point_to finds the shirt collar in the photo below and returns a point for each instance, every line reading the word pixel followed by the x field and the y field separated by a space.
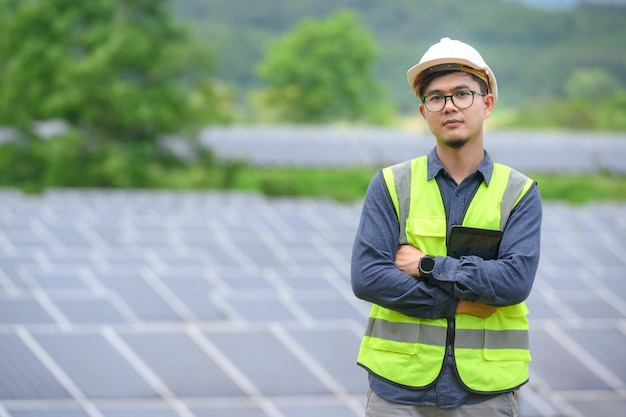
pixel 435 167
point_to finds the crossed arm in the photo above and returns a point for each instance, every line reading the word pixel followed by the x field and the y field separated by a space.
pixel 387 275
pixel 407 259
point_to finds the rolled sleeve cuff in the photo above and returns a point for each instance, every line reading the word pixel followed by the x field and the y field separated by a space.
pixel 445 270
pixel 443 276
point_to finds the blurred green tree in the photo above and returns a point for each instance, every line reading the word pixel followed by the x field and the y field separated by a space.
pixel 591 83
pixel 595 100
pixel 115 70
pixel 320 72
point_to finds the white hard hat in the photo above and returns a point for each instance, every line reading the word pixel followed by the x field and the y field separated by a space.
pixel 453 54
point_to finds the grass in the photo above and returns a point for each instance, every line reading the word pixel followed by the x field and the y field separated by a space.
pixel 350 184
pixel 582 188
pixel 344 185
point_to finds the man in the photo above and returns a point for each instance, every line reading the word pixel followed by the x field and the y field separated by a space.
pixel 446 251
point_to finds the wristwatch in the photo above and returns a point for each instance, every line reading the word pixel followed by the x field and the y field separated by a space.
pixel 426 266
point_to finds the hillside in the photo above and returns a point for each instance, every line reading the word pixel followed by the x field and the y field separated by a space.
pixel 531 50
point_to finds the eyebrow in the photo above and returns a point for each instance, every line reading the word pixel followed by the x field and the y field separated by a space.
pixel 457 88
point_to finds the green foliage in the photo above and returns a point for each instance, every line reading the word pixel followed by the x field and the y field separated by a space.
pixel 582 188
pixel 69 161
pixel 596 100
pixel 531 50
pixel 117 70
pixel 350 184
pixel 322 71
pixel 589 113
pixel 120 74
pixel 591 83
pixel 341 184
pixel 59 162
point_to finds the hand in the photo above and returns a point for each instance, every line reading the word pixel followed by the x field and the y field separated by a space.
pixel 407 258
pixel 476 309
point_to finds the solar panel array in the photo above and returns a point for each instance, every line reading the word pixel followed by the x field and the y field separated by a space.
pixel 205 304
pixel 554 151
pixel 163 304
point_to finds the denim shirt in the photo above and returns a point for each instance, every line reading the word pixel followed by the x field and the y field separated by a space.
pixel 502 282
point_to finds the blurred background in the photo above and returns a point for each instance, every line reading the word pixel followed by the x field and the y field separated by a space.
pixel 126 88
pixel 181 183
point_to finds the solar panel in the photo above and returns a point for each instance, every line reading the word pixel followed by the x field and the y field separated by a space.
pixel 161 303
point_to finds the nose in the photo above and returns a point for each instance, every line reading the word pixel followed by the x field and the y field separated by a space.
pixel 448 103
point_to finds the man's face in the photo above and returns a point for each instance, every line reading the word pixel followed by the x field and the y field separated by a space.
pixel 454 127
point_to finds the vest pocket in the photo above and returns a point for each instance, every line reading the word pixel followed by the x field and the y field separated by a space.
pixel 427 232
pixel 393 346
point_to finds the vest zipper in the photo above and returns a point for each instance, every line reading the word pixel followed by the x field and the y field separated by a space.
pixel 450 336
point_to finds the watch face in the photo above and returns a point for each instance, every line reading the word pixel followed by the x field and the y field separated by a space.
pixel 427 264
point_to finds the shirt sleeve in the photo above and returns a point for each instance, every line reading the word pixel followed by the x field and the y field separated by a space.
pixel 376 278
pixel 508 279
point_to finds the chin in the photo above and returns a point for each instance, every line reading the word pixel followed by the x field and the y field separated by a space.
pixel 456 143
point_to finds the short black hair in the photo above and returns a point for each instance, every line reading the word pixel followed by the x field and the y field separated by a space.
pixel 420 83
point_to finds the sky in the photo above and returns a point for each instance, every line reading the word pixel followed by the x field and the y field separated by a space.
pixel 556 4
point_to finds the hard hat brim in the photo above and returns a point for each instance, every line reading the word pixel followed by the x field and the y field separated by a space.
pixel 487 75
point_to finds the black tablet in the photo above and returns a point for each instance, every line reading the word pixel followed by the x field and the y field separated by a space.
pixel 465 241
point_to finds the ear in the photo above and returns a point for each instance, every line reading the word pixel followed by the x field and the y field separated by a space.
pixel 489 102
pixel 422 110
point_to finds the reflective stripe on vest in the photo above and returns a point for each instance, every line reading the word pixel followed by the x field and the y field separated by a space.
pixel 435 335
pixel 491 354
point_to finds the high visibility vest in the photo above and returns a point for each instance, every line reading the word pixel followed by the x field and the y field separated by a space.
pixel 491 354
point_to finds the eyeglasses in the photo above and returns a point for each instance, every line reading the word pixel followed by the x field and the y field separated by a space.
pixel 462 99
